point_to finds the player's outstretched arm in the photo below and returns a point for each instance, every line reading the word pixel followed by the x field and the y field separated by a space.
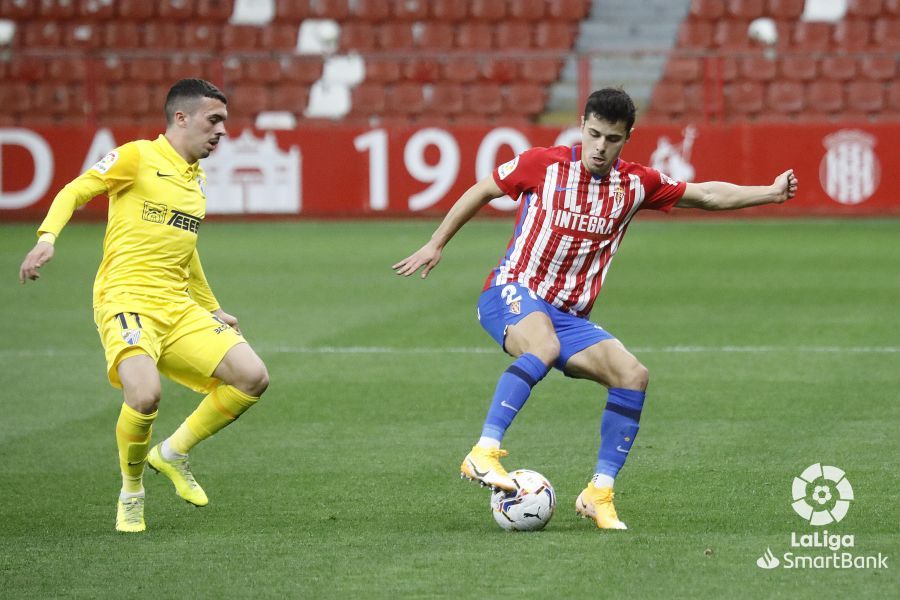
pixel 719 195
pixel 469 203
pixel 40 255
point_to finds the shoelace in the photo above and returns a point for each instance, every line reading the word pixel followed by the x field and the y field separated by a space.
pixel 185 469
pixel 133 510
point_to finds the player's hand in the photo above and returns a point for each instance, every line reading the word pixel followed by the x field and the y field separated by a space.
pixel 428 256
pixel 228 319
pixel 34 260
pixel 785 186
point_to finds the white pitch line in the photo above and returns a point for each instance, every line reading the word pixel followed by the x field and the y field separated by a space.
pixel 52 353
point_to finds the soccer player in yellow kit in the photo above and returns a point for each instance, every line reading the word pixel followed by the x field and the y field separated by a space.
pixel 153 307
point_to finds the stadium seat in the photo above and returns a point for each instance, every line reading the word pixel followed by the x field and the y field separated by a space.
pixel 338 10
pixel 500 70
pixel 570 11
pixel 409 10
pixel 373 11
pixel 746 9
pixel 129 99
pixel 744 98
pixel 171 10
pixel 683 69
pixel 56 9
pixel 121 35
pixel 524 99
pixel 892 105
pixel 886 33
pixel 302 70
pixel 382 70
pixel 262 70
pixel 237 38
pixel 50 98
pixel 838 67
pixel 216 11
pixel 708 10
pixel 513 35
pixel 368 99
pixel 444 100
pixel 247 99
pixel 865 96
pixel 799 67
pixel 851 35
pixel 358 36
pixel 291 97
pixel 812 36
pixel 526 10
pixel 95 10
pixel 15 97
pixel 431 35
pixel 136 10
pixel 757 67
pixel 186 66
pixel 483 99
pixel 448 10
pixel 879 67
pixel 785 9
pixel 423 70
pixel 159 35
pixel 291 11
pixel 146 70
pixel 731 35
pixel 668 100
pixel 540 70
pixel 695 34
pixel 474 36
pixel 232 70
pixel 489 11
pixel 785 97
pixel 279 37
pixel 461 69
pixel 550 35
pixel 824 97
pixel 17 10
pixel 74 70
pixel 866 9
pixel 81 35
pixel 405 98
pixel 39 34
pixel 200 37
pixel 396 35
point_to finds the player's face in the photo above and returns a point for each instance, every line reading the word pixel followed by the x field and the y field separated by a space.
pixel 204 126
pixel 601 143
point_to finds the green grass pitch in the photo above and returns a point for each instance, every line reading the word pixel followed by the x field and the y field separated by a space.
pixel 771 345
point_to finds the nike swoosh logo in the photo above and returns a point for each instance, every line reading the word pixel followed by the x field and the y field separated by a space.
pixel 476 471
pixel 509 406
pixel 158 174
pixel 134 464
pixel 565 189
pixel 619 448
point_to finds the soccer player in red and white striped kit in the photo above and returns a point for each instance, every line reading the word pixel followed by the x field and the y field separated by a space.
pixel 575 206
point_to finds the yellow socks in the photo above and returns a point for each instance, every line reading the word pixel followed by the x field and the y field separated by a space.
pixel 133 431
pixel 225 404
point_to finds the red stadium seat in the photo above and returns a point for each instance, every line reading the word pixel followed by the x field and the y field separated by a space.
pixel 709 10
pixel 405 99
pixel 513 35
pixel 866 9
pixel 39 34
pixel 444 100
pixel 744 98
pixel 279 37
pixel 161 35
pixel 247 99
pixel 217 11
pixel 571 11
pixel 374 11
pixel 893 99
pixel 879 67
pixel 171 10
pixel 799 67
pixel 865 96
pixel 524 99
pixel 382 70
pixel 200 37
pixel 358 36
pixel 695 34
pixel 526 10
pixel 262 70
pixel 838 67
pixel 409 10
pixel 474 36
pixel 338 10
pixel 423 70
pixel 81 35
pixel 731 35
pixel 746 9
pixel 824 97
pixel 540 70
pixel 239 37
pixel 15 97
pixel 490 11
pixel 461 70
pixel 147 70
pixel 129 99
pixel 886 34
pixel 232 70
pixel 554 36
pixel 108 69
pixel 397 35
pixel 432 35
pixel 52 98
pixel 785 9
pixel 812 36
pixel 683 69
pixel 291 11
pixel 757 68
pixel 668 100
pixel 500 70
pixel 74 70
pixel 56 9
pixel 851 35
pixel 291 97
pixel 121 35
pixel 304 70
pixel 188 67
pixel 138 10
pixel 448 10
pixel 368 99
pixel 17 10
pixel 785 97
pixel 92 9
pixel 483 99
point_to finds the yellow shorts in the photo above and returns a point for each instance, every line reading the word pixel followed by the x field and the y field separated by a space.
pixel 187 342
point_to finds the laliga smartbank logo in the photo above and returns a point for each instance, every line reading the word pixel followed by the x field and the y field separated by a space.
pixel 822 496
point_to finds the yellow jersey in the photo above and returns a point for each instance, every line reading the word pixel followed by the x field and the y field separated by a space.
pixel 156 204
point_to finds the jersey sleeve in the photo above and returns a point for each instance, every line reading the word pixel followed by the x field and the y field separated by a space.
pixel 112 174
pixel 198 287
pixel 522 173
pixel 661 191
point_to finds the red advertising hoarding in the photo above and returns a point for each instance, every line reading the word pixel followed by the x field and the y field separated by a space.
pixel 326 172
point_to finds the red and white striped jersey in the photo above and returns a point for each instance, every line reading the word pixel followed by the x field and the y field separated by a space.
pixel 570 223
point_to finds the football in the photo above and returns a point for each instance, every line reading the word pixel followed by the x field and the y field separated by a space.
pixel 530 507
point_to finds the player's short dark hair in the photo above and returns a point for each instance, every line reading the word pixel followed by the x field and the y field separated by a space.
pixel 611 104
pixel 190 89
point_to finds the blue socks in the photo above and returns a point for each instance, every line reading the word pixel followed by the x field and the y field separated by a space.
pixel 618 429
pixel 512 391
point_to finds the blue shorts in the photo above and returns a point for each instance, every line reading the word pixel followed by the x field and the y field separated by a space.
pixel 505 305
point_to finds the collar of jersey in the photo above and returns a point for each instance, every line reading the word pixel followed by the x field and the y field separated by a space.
pixel 181 165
